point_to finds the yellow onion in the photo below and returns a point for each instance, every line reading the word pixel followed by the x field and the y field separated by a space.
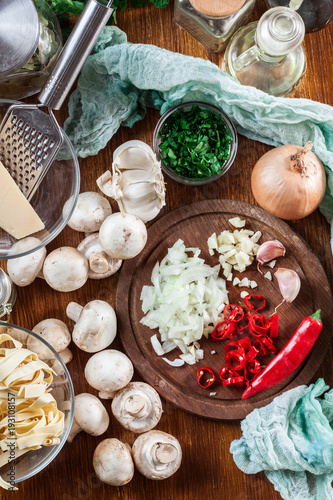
pixel 289 181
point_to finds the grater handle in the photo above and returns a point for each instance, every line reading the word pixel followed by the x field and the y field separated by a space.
pixel 76 50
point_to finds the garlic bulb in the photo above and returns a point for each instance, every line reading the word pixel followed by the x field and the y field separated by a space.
pixel 136 182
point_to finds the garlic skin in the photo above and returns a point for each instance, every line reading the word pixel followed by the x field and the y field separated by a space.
pixel 289 283
pixel 270 250
pixel 136 182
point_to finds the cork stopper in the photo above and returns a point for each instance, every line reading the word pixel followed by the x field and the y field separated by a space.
pixel 217 8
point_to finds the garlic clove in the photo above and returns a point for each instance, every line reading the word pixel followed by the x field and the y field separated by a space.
pixel 270 250
pixel 134 158
pixel 289 283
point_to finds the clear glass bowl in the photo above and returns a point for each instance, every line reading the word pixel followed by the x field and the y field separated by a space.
pixel 34 461
pixel 60 184
pixel 185 180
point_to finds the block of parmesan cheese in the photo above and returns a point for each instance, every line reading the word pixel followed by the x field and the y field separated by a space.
pixel 17 216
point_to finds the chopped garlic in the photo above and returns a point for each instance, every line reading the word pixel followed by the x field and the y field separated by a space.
pixel 244 294
pixel 213 352
pixel 244 282
pixel 256 237
pixel 212 393
pixel 212 243
pixel 236 281
pixel 268 275
pixel 253 284
pixel 237 222
pixel 271 263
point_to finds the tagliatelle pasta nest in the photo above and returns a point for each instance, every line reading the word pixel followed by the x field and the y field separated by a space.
pixel 29 417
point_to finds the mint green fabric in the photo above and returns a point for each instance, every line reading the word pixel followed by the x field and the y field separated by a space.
pixel 120 80
pixel 291 440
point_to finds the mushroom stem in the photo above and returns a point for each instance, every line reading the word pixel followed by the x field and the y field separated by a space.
pixel 66 355
pixel 73 311
pixel 75 429
pixel 165 453
pixel 134 404
pixel 99 263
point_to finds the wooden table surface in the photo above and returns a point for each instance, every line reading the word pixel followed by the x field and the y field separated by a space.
pixel 208 470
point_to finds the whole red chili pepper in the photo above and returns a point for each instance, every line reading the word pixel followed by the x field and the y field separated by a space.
pixel 289 357
pixel 200 374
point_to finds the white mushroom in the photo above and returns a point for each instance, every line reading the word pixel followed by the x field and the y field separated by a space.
pixel 96 325
pixel 24 270
pixel 90 416
pixel 55 332
pixel 156 454
pixel 101 265
pixel 137 407
pixel 108 371
pixel 91 210
pixel 65 269
pixel 122 236
pixel 112 462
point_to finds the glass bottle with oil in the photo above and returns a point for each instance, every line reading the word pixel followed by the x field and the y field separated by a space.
pixel 268 54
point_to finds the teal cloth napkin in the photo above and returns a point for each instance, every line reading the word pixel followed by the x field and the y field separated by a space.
pixel 291 440
pixel 120 80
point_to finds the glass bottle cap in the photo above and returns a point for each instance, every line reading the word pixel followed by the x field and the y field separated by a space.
pixel 217 8
pixel 280 30
pixel 19 32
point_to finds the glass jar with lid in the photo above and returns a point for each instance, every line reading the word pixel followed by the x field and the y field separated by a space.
pixel 31 38
pixel 212 22
pixel 269 54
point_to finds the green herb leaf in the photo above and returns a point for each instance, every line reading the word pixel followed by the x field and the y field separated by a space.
pixel 195 143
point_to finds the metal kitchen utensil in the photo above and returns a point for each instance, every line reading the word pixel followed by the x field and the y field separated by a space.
pixel 31 138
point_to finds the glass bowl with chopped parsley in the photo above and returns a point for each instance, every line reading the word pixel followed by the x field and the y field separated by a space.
pixel 195 142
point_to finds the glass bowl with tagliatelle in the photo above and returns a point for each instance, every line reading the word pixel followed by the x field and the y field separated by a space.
pixel 36 404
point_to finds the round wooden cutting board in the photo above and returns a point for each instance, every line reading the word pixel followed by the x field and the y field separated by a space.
pixel 194 224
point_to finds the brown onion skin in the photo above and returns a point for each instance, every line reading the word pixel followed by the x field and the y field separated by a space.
pixel 282 190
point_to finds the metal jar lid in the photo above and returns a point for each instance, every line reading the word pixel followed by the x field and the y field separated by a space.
pixel 19 32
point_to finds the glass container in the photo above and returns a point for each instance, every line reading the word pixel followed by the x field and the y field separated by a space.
pixel 268 54
pixel 224 168
pixel 30 78
pixel 316 14
pixel 34 461
pixel 213 22
pixel 60 185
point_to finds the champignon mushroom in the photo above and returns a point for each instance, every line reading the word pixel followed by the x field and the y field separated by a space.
pixel 101 265
pixel 108 371
pixel 137 407
pixel 24 270
pixel 90 211
pixel 96 325
pixel 65 269
pixel 122 236
pixel 90 416
pixel 55 332
pixel 112 462
pixel 156 454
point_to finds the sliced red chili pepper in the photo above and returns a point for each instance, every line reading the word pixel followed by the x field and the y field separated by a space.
pixel 259 325
pixel 245 342
pixel 254 366
pixel 274 331
pixel 260 346
pixel 224 329
pixel 233 312
pixel 235 357
pixel 233 346
pixel 269 344
pixel 255 302
pixel 251 354
pixel 230 377
pixel 208 381
pixel 243 324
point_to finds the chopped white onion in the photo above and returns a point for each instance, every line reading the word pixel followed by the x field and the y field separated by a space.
pixel 176 362
pixel 185 301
